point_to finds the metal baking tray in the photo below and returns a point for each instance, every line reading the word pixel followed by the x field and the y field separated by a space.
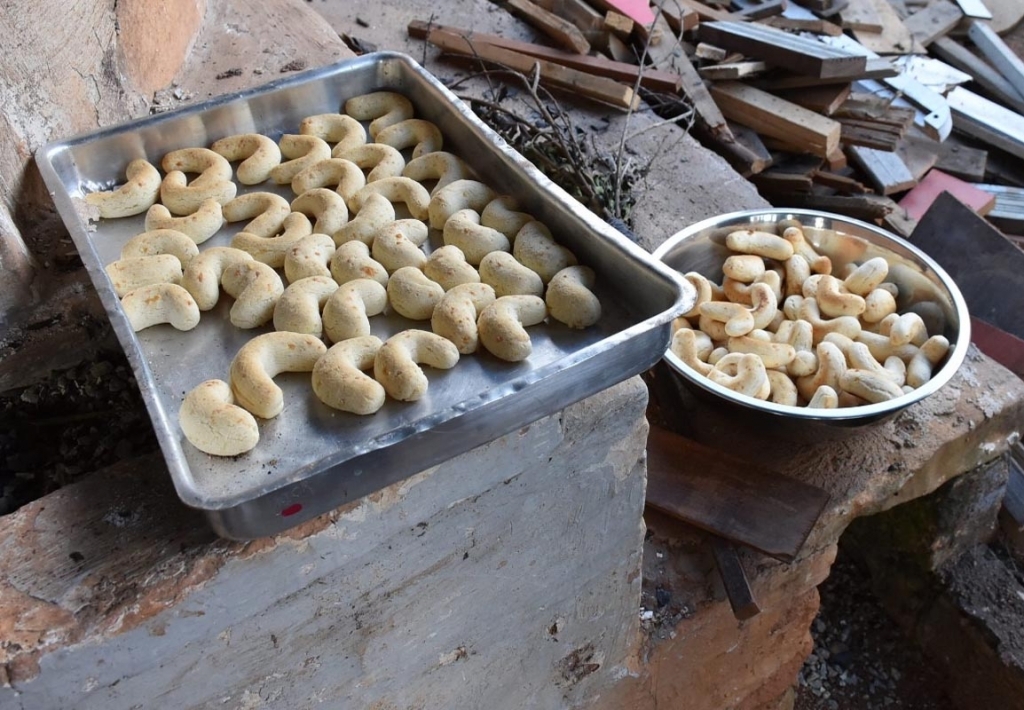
pixel 311 458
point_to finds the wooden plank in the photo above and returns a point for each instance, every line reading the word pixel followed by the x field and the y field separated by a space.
pixel 748 138
pixel 917 201
pixel 679 17
pixel 706 12
pixel 934 21
pixel 998 54
pixel 734 70
pixel 866 207
pixel 868 138
pixel 706 107
pixel 578 12
pixel 561 31
pixel 596 87
pixel 779 48
pixel 618 24
pixel 654 79
pixel 975 8
pixel 703 50
pixel 988 78
pixel 919 153
pixel 876 68
pixel 842 184
pixel 987 121
pixel 761 10
pixel 819 27
pixel 961 160
pixel 775 182
pixel 734 579
pixel 884 169
pixel 1008 211
pixel 861 15
pixel 820 99
pixel 894 38
pixel 734 499
pixel 772 116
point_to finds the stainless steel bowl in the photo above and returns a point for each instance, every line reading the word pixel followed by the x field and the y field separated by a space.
pixel 923 288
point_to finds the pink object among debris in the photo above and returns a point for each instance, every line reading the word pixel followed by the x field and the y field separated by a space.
pixel 917 201
pixel 636 10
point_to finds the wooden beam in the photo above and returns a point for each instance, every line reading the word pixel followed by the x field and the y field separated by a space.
pixel 861 15
pixel 988 78
pixel 733 70
pixel 560 30
pixel 820 99
pixel 894 38
pixel 961 160
pixel 987 121
pixel 876 68
pixel 654 79
pixel 934 21
pixel 842 184
pixel 884 169
pixel 770 115
pixel 820 27
pixel 998 54
pixel 679 17
pixel 595 87
pixel 761 10
pixel 707 13
pixel 578 12
pixel 748 138
pixel 618 24
pixel 703 50
pixel 866 207
pixel 919 153
pixel 779 48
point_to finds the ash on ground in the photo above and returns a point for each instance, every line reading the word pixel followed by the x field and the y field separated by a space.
pixel 861 658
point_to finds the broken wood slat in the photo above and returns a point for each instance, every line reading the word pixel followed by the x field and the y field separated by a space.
pixel 917 201
pixel 919 153
pixel 884 169
pixel 986 120
pixel 705 12
pixel 876 68
pixel 868 137
pixel 988 78
pixel 998 54
pixel 748 138
pixel 705 106
pixel 803 56
pixel 842 184
pixel 679 18
pixel 654 79
pixel 825 100
pixel 734 70
pixel 1008 211
pixel 772 116
pixel 974 8
pixel 820 27
pixel 579 13
pixel 703 50
pixel 776 182
pixel 962 161
pixel 734 499
pixel 618 50
pixel 894 38
pixel 865 207
pixel 560 30
pixel 595 87
pixel 734 579
pixel 618 24
pixel 761 10
pixel 934 21
pixel 861 15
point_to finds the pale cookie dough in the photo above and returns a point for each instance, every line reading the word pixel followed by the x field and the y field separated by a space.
pixel 502 326
pixel 303 151
pixel 259 155
pixel 200 225
pixel 440 166
pixel 422 136
pixel 129 274
pixel 263 358
pixel 256 288
pixel 348 311
pixel 134 197
pixel 201 277
pixel 344 131
pixel 397 368
pixel 271 251
pixel 214 424
pixel 339 380
pixel 382 108
pixel 455 196
pixel 311 256
pixel 570 297
pixel 508 277
pixel 456 314
pixel 162 241
pixel 412 295
pixel 298 309
pixel 463 229
pixel 269 210
pixel 448 267
pixel 352 261
pixel 160 303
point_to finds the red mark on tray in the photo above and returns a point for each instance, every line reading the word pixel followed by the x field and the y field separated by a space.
pixel 291 510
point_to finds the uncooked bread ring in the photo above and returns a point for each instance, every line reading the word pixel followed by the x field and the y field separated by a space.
pixel 503 325
pixel 214 182
pixel 214 424
pixel 339 380
pixel 535 248
pixel 455 196
pixel 348 311
pixel 397 189
pixel 264 357
pixel 258 153
pixel 398 244
pixel 448 267
pixel 310 256
pixel 160 303
pixel 256 288
pixel 374 214
pixel 272 250
pixel 344 131
pixel 209 165
pixel 383 108
pixel 303 151
pixel 343 175
pixel 424 135
pixel 502 214
pixel 200 225
pixel 440 166
pixel 327 206
pixel 137 195
pixel 508 277
pixel 412 294
pixel 382 160
pixel 463 229
pixel 298 309
pixel 352 261
pixel 202 275
pixel 161 241
pixel 570 299
pixel 397 363
pixel 137 271
pixel 269 209
pixel 456 314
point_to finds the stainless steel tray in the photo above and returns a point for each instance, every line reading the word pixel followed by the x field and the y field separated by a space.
pixel 311 458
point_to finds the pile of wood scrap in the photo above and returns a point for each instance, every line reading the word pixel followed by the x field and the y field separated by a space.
pixel 869 108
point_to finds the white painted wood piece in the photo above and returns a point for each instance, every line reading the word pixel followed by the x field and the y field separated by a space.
pixel 1009 205
pixel 988 121
pixel 975 8
pixel 997 53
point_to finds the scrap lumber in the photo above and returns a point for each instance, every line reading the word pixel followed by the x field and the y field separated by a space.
pixel 707 13
pixel 919 153
pixel 734 579
pixel 987 121
pixel 654 79
pixel 1008 211
pixel 618 24
pixel 920 199
pixel 703 50
pixel 825 100
pixel 861 15
pixel 875 68
pixel 869 135
pixel 560 30
pixel 779 48
pixel 998 54
pixel 988 78
pixel 617 49
pixel 771 116
pixel 934 21
pixel 869 207
pixel 732 70
pixel 894 38
pixel 679 17
pixel 884 169
pixel 595 87
pixel 961 160
pixel 578 12
pixel 842 184
pixel 819 27
pixel 975 9
pixel 761 10
pixel 748 138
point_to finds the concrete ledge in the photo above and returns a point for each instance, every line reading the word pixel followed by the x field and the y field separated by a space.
pixel 512 571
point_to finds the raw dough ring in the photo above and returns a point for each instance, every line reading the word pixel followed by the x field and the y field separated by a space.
pixel 438 165
pixel 298 309
pixel 422 136
pixel 456 314
pixel 448 267
pixel 202 276
pixel 327 206
pixel 570 298
pixel 345 131
pixel 508 277
pixel 161 241
pixel 214 182
pixel 503 324
pixel 339 380
pixel 383 160
pixel 138 271
pixel 535 248
pixel 269 209
pixel 200 225
pixel 412 295
pixel 382 107
pixel 463 229
pixel 258 153
pixel 310 256
pixel 343 175
pixel 137 195
pixel 272 250
pixel 376 211
pixel 214 424
pixel 397 368
pixel 348 311
pixel 352 261
pixel 256 289
pixel 303 151
pixel 397 189
pixel 455 196
pixel 398 244
pixel 264 357
pixel 160 303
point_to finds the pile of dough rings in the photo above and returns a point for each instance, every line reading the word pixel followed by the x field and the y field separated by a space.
pixel 346 257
